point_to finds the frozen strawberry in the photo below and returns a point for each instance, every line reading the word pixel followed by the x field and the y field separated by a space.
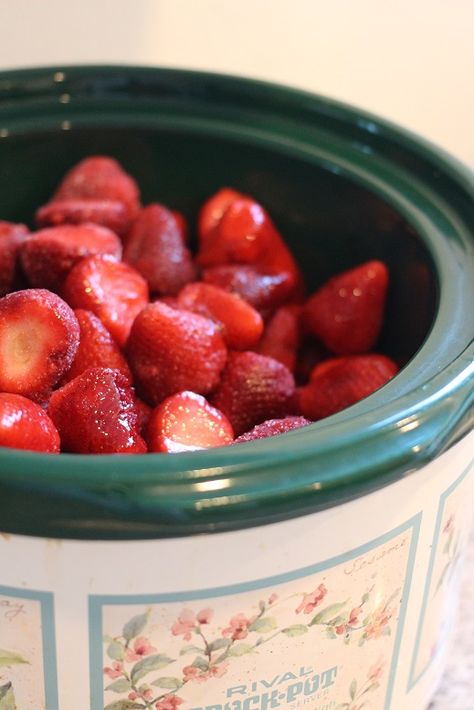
pixel 263 291
pixel 281 337
pixel 339 382
pixel 346 312
pixel 11 237
pixel 95 414
pixel 182 223
pixel 143 411
pixel 212 211
pixel 253 388
pixel 96 348
pixel 47 256
pixel 25 425
pixel 272 427
pixel 310 353
pixel 155 247
pixel 112 214
pixel 241 325
pixel 186 422
pixel 100 178
pixel 39 337
pixel 114 291
pixel 171 350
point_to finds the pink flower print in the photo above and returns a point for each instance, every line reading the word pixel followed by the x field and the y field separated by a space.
pixel 184 625
pixel 376 671
pixel 115 671
pixel 195 674
pixel 379 621
pixel 191 672
pixel 354 616
pixel 238 628
pixel 218 671
pixel 205 616
pixel 147 694
pixel 171 702
pixel 272 599
pixel 133 695
pixel 449 525
pixel 311 601
pixel 141 648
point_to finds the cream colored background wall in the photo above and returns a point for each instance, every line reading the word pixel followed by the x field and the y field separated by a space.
pixel 411 61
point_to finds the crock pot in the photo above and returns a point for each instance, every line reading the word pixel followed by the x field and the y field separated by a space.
pixel 317 569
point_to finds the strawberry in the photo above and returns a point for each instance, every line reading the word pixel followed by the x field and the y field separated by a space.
pixel 346 312
pixel 112 290
pixel 262 291
pixel 25 425
pixel 47 256
pixel 281 336
pixel 186 422
pixel 155 247
pixel 112 214
pixel 100 178
pixel 39 337
pixel 339 382
pixel 253 388
pixel 97 348
pixel 241 324
pixel 212 211
pixel 171 350
pixel 272 427
pixel 95 414
pixel 310 353
pixel 182 223
pixel 11 237
pixel 143 411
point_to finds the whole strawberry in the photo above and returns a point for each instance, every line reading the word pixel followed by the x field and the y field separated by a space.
pixel 95 414
pixel 281 337
pixel 12 237
pixel 39 337
pixel 253 388
pixel 339 382
pixel 171 350
pixel 264 292
pixel 25 425
pixel 346 313
pixel 272 427
pixel 107 213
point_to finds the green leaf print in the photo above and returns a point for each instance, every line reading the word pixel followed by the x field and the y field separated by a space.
pixel 218 644
pixel 123 705
pixel 264 625
pixel 353 689
pixel 122 685
pixel 168 683
pixel 190 648
pixel 9 658
pixel 295 630
pixel 7 698
pixel 135 626
pixel 148 664
pixel 328 613
pixel 240 649
pixel 116 651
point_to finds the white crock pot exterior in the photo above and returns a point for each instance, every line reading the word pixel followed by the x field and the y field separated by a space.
pixel 328 611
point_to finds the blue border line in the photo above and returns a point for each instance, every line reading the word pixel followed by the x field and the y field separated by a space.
pixel 412 680
pixel 97 601
pixel 48 637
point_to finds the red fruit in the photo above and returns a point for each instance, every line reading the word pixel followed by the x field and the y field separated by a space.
pixel 281 336
pixel 155 247
pixel 112 214
pixel 39 337
pixel 97 348
pixel 272 427
pixel 95 414
pixel 100 178
pixel 212 211
pixel 253 388
pixel 186 422
pixel 25 425
pixel 263 291
pixel 182 223
pixel 143 411
pixel 112 290
pixel 311 353
pixel 47 256
pixel 339 382
pixel 346 313
pixel 11 238
pixel 241 324
pixel 171 350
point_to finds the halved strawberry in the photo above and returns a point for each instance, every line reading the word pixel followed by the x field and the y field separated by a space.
pixel 263 291
pixel 241 324
pixel 281 337
pixel 39 337
pixel 95 414
pixel 272 427
pixel 96 348
pixel 186 422
pixel 112 214
pixel 114 291
pixel 339 382
pixel 48 255
pixel 171 350
pixel 253 388
pixel 212 211
pixel 155 247
pixel 100 177
pixel 11 238
pixel 346 312
pixel 25 425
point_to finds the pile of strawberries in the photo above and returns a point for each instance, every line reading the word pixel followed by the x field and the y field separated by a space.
pixel 114 338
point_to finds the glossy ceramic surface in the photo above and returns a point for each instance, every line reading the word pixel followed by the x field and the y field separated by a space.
pixel 343 187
